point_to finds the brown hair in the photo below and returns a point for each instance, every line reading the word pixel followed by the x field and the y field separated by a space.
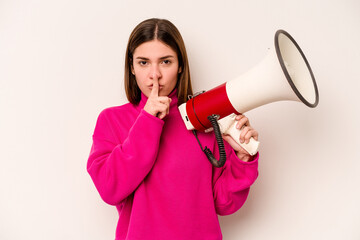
pixel 166 32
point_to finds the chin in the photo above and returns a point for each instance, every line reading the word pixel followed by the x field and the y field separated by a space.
pixel 167 93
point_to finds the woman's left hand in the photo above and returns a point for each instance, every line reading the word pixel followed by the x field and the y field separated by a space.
pixel 246 133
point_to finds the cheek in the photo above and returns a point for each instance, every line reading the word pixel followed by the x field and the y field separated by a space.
pixel 140 77
pixel 173 76
pixel 142 85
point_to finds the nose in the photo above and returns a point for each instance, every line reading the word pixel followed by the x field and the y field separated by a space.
pixel 155 72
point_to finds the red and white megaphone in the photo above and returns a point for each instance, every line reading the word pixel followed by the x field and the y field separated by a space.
pixel 284 74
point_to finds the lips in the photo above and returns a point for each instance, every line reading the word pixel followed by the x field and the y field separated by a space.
pixel 160 86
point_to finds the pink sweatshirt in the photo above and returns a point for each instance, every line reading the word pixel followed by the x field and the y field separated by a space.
pixel 160 181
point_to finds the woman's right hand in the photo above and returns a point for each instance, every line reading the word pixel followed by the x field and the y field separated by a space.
pixel 156 105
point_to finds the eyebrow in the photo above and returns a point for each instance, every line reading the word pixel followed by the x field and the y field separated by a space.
pixel 164 57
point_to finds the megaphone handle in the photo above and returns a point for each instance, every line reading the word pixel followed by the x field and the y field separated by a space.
pixel 228 126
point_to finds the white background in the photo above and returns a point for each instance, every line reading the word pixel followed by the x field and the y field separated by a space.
pixel 61 63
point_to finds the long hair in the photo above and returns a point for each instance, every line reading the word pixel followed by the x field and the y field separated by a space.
pixel 166 32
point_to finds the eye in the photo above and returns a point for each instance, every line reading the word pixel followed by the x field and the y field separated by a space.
pixel 166 61
pixel 142 63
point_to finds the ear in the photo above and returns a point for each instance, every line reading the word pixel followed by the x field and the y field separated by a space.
pixel 180 70
pixel 132 70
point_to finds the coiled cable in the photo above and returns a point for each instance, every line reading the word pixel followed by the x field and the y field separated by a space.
pixel 220 143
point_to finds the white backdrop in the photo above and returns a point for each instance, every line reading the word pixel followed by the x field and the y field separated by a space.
pixel 61 63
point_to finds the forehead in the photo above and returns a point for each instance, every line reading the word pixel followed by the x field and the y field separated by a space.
pixel 154 49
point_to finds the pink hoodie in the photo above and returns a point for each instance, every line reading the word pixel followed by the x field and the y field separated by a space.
pixel 160 181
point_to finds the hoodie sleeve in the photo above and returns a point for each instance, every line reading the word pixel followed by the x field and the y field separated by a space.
pixel 118 168
pixel 231 183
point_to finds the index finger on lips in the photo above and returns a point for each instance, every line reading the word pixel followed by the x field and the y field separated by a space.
pixel 155 87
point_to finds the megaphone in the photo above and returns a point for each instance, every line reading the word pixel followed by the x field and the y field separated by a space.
pixel 284 74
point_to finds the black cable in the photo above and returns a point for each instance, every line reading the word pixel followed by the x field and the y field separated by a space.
pixel 220 142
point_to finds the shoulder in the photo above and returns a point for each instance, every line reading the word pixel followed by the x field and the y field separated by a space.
pixel 115 111
pixel 116 114
pixel 116 120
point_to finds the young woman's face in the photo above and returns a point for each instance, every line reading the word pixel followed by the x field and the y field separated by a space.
pixel 154 59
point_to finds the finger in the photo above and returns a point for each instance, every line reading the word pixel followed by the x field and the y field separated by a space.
pixel 243 133
pixel 251 134
pixel 255 134
pixel 155 87
pixel 238 117
pixel 161 115
pixel 163 110
pixel 242 122
pixel 164 99
pixel 167 104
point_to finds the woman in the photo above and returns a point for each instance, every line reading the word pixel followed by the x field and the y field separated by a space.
pixel 145 162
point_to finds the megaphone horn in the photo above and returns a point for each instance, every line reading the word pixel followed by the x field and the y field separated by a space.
pixel 284 74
